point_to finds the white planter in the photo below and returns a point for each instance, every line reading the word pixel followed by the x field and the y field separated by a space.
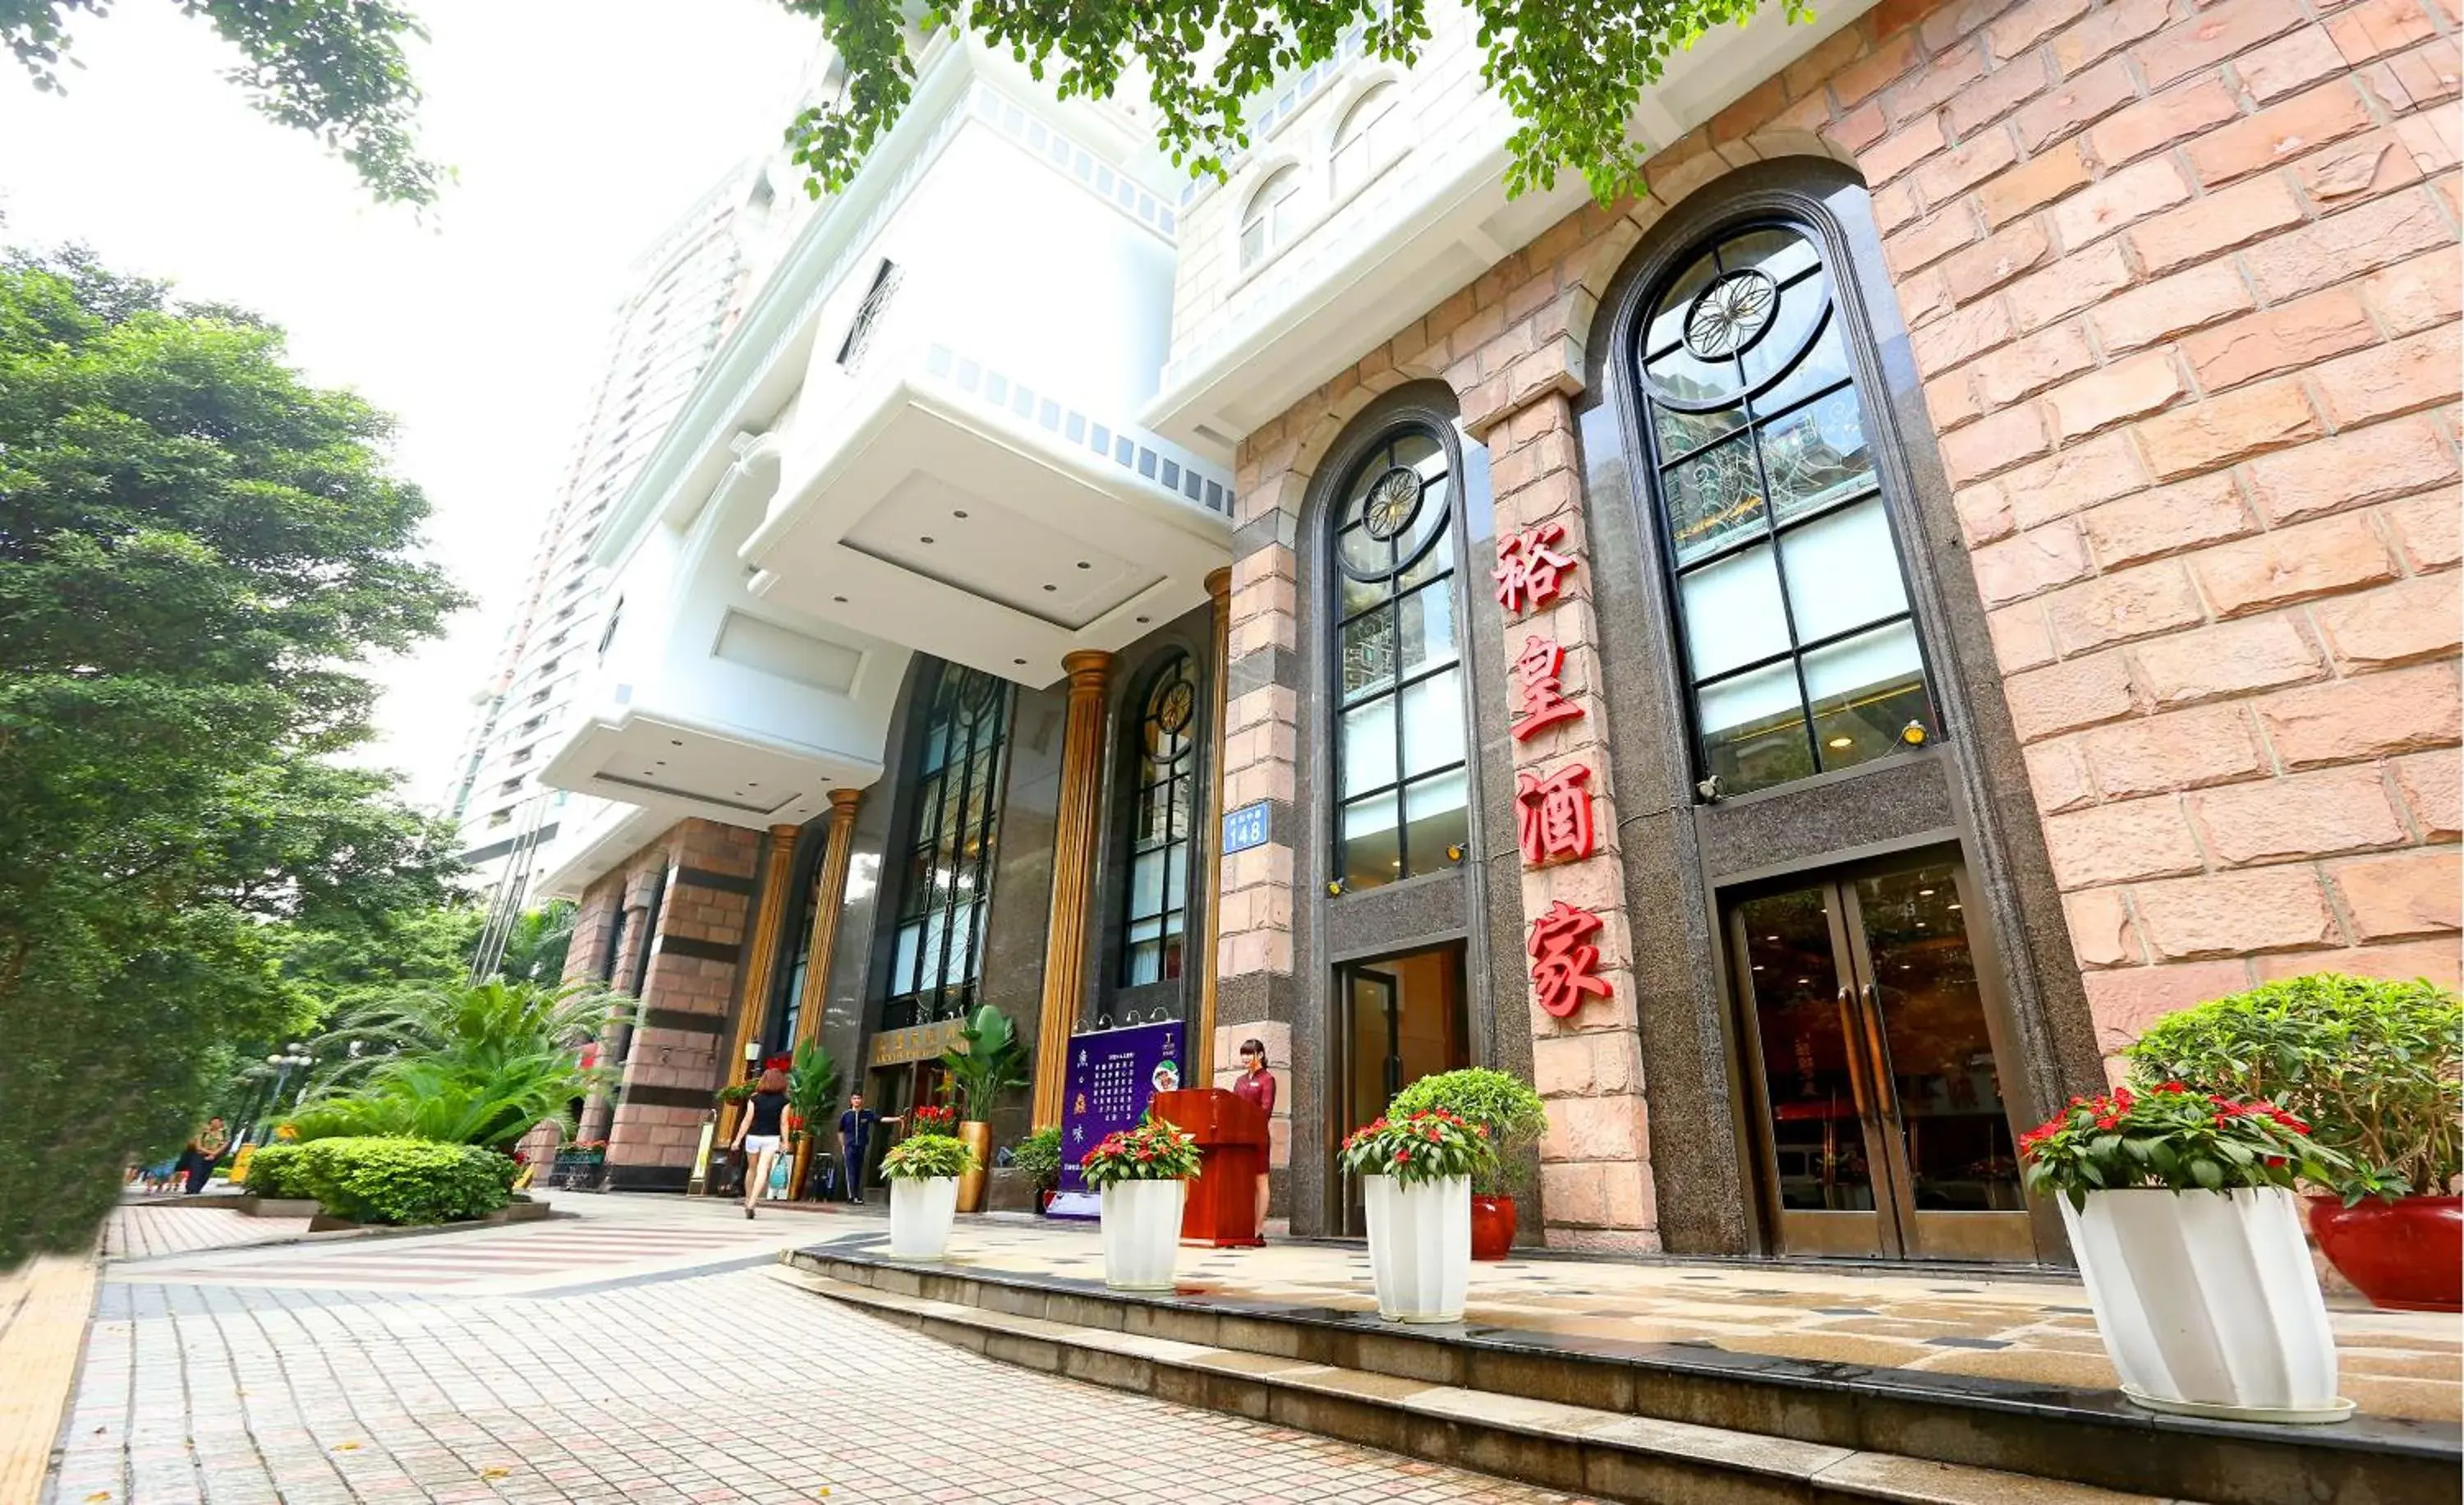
pixel 1142 1221
pixel 2207 1303
pixel 1419 1247
pixel 920 1213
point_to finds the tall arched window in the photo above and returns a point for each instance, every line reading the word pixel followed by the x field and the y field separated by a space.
pixel 1400 747
pixel 1271 217
pixel 1367 140
pixel 1799 650
pixel 937 950
pixel 1161 812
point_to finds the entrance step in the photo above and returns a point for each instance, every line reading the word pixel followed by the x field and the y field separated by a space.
pixel 1658 1422
pixel 1575 1447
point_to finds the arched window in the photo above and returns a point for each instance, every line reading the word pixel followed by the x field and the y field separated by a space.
pixel 937 947
pixel 1271 217
pixel 1799 650
pixel 1400 747
pixel 1161 815
pixel 1367 140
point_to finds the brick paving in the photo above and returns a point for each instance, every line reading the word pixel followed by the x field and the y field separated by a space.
pixel 692 1385
pixel 149 1230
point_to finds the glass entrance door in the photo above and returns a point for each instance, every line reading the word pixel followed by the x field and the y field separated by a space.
pixel 1398 1018
pixel 1874 1058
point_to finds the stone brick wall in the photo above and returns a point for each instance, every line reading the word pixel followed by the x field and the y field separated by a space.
pixel 2180 281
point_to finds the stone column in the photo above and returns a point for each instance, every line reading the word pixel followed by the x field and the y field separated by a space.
pixel 761 957
pixel 829 892
pixel 1073 873
pixel 1210 838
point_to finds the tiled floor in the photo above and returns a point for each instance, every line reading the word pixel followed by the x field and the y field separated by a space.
pixel 674 1386
pixel 2393 1363
pixel 151 1229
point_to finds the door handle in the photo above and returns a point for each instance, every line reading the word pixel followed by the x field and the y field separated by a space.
pixel 1848 1045
pixel 1873 1013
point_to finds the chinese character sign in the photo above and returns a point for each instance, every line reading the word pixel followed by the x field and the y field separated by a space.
pixel 1112 1073
pixel 1553 816
pixel 1563 961
pixel 1540 689
pixel 1527 568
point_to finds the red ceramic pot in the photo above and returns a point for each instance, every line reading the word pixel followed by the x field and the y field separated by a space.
pixel 1493 1226
pixel 2407 1256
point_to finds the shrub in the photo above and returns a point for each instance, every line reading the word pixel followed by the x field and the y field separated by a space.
pixel 1426 1146
pixel 1152 1151
pixel 921 1157
pixel 2371 1066
pixel 1513 1114
pixel 2172 1136
pixel 1039 1155
pixel 370 1180
pixel 275 1172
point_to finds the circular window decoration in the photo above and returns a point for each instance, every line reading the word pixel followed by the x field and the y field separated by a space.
pixel 1173 716
pixel 1730 315
pixel 1394 499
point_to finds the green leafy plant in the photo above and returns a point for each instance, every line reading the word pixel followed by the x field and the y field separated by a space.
pixel 924 1157
pixel 276 1172
pixel 2372 1066
pixel 1038 1156
pixel 812 1084
pixel 2172 1136
pixel 1513 1114
pixel 986 1062
pixel 387 1179
pixel 1420 1147
pixel 1154 1150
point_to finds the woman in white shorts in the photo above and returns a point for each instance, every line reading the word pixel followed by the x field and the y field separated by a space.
pixel 758 1132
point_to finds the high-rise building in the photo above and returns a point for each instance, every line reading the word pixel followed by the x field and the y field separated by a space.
pixel 687 290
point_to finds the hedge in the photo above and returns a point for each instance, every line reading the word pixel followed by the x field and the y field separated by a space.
pixel 382 1179
pixel 274 1172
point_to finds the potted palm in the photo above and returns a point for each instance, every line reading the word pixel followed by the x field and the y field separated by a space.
pixel 1141 1175
pixel 1515 1119
pixel 923 1171
pixel 813 1092
pixel 2373 1068
pixel 2180 1207
pixel 1416 1181
pixel 986 1062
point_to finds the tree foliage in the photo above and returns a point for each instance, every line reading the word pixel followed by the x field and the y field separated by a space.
pixel 195 547
pixel 333 68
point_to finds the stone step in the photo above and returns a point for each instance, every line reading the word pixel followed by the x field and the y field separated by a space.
pixel 2021 1439
pixel 1580 1448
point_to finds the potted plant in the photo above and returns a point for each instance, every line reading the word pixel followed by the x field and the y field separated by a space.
pixel 2180 1208
pixel 1415 1180
pixel 813 1092
pixel 923 1171
pixel 1515 1119
pixel 2373 1068
pixel 1038 1157
pixel 1141 1176
pixel 986 1062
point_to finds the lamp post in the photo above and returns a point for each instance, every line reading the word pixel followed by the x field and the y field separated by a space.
pixel 293 1057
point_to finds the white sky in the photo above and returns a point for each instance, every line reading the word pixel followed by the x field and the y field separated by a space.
pixel 579 128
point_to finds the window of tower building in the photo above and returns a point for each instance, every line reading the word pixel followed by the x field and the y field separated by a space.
pixel 1162 809
pixel 1400 750
pixel 945 886
pixel 1799 650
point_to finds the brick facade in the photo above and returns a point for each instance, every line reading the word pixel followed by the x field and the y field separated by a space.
pixel 2181 285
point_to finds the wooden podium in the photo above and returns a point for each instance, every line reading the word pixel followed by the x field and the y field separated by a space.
pixel 1221 1211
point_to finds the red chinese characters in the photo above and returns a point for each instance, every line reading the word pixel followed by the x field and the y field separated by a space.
pixel 1539 688
pixel 1527 568
pixel 1563 961
pixel 1553 816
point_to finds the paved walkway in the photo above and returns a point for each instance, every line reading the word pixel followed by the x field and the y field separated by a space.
pixel 550 1368
pixel 2392 1363
pixel 150 1230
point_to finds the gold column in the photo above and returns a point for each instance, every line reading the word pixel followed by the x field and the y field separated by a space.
pixel 830 887
pixel 768 916
pixel 1210 840
pixel 1073 872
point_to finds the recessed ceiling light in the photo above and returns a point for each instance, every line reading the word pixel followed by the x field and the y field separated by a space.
pixel 926 538
pixel 1925 893
pixel 1018 660
pixel 1052 588
pixel 1840 741
pixel 1143 620
pixel 675 741
pixel 1083 565
pixel 958 512
pixel 840 600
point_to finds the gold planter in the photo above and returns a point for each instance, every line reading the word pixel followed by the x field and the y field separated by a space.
pixel 978 1137
pixel 803 1166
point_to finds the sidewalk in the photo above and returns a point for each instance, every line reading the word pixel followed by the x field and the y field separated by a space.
pixel 2397 1364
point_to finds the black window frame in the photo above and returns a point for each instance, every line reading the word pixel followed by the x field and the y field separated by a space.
pixel 985 729
pixel 1157 777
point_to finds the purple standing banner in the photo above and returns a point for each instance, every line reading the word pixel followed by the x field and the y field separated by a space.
pixel 1113 1073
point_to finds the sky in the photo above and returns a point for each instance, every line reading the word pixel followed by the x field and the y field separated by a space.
pixel 578 129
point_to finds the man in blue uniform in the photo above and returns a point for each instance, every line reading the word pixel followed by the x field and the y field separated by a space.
pixel 855 1133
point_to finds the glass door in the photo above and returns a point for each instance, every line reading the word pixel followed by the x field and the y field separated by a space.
pixel 1874 1048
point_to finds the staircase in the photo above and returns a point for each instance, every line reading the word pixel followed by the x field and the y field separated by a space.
pixel 1637 1421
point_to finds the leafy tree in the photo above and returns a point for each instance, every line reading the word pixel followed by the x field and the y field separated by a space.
pixel 334 68
pixel 986 1062
pixel 535 945
pixel 195 548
